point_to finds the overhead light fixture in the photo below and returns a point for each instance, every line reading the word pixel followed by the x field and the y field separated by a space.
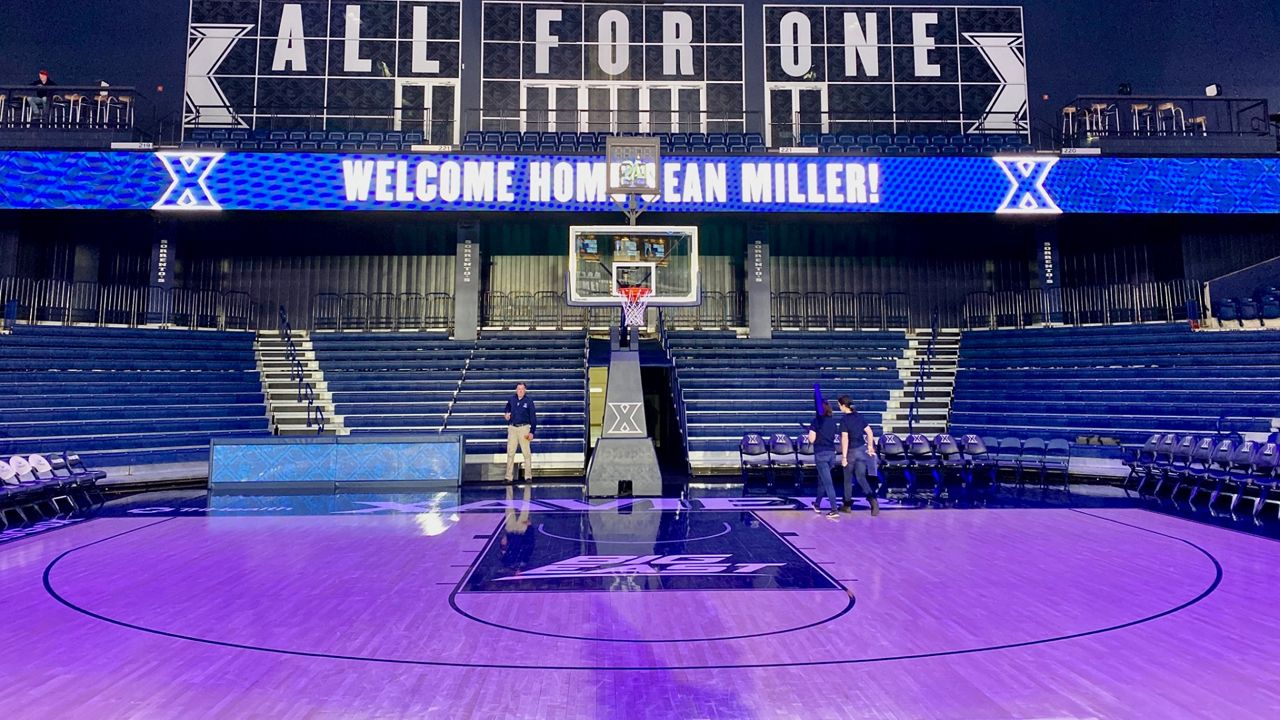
pixel 1214 90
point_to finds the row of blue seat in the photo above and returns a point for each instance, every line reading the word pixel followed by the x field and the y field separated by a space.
pixel 34 483
pixel 1198 464
pixel 594 142
pixel 974 144
pixel 726 384
pixel 1119 383
pixel 408 381
pixel 963 467
pixel 1263 305
pixel 123 397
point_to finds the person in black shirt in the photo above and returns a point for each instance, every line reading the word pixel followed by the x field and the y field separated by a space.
pixel 522 423
pixel 41 100
pixel 857 453
pixel 824 433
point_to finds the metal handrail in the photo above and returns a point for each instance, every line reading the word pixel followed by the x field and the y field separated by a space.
pixel 306 391
pixel 926 373
pixel 67 302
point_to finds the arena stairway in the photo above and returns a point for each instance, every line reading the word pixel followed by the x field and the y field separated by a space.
pixel 729 386
pixel 1116 385
pixel 426 382
pixel 127 397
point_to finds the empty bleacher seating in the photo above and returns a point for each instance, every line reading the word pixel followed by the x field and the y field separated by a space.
pixel 553 367
pixel 902 144
pixel 123 397
pixel 1117 384
pixel 426 382
pixel 391 382
pixel 730 386
pixel 1256 309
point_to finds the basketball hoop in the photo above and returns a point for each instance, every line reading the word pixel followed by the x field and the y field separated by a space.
pixel 635 301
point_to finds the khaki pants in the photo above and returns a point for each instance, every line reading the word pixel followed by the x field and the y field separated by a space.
pixel 516 436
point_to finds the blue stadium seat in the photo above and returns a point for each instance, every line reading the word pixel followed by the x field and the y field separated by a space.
pixel 297 136
pixel 239 135
pixel 1269 307
pixel 472 140
pixel 317 136
pixel 412 138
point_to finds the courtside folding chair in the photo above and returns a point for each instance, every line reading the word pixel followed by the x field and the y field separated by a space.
pixel 1158 471
pixel 1219 467
pixel 85 476
pixel 1007 459
pixel 1262 477
pixel 921 463
pixel 14 496
pixel 753 458
pixel 1057 463
pixel 1139 463
pixel 893 462
pixel 783 458
pixel 951 467
pixel 59 488
pixel 805 457
pixel 1196 465
pixel 1032 458
pixel 1239 472
pixel 980 467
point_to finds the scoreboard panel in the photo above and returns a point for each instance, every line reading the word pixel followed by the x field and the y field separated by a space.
pixel 638 67
pixel 325 64
pixel 872 69
pixel 575 66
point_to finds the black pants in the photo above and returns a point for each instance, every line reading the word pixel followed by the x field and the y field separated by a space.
pixel 859 464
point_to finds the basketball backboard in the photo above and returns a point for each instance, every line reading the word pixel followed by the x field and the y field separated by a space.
pixel 603 259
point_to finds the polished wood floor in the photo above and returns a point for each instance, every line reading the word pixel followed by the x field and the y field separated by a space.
pixel 1000 613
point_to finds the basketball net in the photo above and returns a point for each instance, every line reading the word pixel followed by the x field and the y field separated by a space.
pixel 635 301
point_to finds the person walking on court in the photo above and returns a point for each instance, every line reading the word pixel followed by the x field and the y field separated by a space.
pixel 857 454
pixel 522 423
pixel 824 433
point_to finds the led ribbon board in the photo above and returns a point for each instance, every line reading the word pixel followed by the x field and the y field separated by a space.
pixel 208 182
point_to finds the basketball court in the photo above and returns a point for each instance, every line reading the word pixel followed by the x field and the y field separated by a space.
pixel 711 607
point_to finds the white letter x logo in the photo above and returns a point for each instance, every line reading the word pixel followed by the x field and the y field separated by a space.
pixel 1027 194
pixel 188 190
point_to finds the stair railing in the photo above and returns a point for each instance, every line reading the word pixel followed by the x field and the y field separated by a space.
pixel 926 372
pixel 306 391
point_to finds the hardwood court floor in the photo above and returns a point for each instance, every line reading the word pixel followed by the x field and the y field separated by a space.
pixel 706 612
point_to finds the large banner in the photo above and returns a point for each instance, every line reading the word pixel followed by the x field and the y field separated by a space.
pixel 617 67
pixel 176 182
pixel 873 69
pixel 325 64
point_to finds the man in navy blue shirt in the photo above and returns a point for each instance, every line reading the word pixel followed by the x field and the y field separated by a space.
pixel 824 433
pixel 522 422
pixel 858 453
